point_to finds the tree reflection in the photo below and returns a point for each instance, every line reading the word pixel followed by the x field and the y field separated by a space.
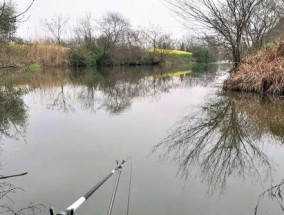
pixel 224 138
pixel 274 193
pixel 114 89
pixel 121 88
pixel 61 101
pixel 111 89
pixel 7 190
pixel 13 116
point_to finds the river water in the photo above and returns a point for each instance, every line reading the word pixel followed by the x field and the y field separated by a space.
pixel 194 149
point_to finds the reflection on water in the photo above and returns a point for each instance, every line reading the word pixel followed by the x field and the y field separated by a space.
pixel 13 123
pixel 225 138
pixel 274 193
pixel 115 89
pixel 13 116
pixel 7 204
pixel 200 68
pixel 111 89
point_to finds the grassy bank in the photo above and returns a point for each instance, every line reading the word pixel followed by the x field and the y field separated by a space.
pixel 261 73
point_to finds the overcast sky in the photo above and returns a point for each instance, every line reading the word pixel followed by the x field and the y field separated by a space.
pixel 139 12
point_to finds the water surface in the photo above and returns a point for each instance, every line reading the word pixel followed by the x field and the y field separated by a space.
pixel 195 149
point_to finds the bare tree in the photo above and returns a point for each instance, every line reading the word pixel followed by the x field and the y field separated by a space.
pixel 85 28
pixel 232 21
pixel 114 28
pixel 153 37
pixel 267 15
pixel 134 38
pixel 159 42
pixel 56 27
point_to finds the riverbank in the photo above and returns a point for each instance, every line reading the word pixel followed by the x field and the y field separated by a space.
pixel 46 54
pixel 261 73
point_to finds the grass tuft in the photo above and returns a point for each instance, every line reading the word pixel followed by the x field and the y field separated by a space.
pixel 33 67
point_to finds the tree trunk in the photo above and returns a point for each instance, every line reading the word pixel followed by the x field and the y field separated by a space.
pixel 237 59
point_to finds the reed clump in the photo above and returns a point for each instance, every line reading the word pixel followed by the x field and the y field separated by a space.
pixel 41 53
pixel 47 54
pixel 261 73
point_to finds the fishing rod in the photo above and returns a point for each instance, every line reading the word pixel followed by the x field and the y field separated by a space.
pixel 114 192
pixel 72 208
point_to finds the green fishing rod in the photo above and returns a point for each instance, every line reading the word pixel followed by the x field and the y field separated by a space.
pixel 72 208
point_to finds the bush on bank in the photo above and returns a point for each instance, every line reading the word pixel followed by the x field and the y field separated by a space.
pixel 85 55
pixel 202 55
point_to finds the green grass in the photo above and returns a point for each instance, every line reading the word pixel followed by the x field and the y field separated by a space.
pixel 34 67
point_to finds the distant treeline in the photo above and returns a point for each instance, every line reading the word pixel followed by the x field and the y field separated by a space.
pixel 110 40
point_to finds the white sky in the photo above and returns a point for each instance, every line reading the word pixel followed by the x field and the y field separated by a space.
pixel 139 13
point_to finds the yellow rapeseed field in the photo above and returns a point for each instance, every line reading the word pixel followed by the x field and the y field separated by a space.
pixel 173 52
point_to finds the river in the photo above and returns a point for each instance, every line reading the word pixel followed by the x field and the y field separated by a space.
pixel 194 149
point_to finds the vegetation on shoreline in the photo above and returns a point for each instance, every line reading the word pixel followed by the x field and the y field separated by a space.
pixel 108 41
pixel 42 54
pixel 48 54
pixel 262 72
pixel 235 27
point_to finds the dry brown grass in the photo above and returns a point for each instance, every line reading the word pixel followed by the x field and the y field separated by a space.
pixel 262 72
pixel 43 53
pixel 47 54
